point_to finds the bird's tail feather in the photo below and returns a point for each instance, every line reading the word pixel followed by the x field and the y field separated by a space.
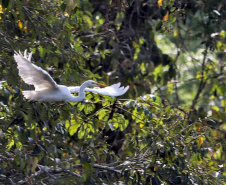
pixel 29 95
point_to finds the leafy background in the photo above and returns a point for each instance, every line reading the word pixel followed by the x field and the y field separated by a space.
pixel 169 128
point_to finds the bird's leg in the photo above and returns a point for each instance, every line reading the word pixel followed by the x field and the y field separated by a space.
pixel 16 121
pixel 37 115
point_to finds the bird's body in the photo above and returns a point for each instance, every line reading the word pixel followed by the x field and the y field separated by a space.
pixel 61 93
pixel 47 90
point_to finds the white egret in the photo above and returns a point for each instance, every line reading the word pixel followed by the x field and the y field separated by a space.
pixel 47 90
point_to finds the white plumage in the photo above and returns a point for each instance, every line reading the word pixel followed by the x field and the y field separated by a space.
pixel 47 90
pixel 113 90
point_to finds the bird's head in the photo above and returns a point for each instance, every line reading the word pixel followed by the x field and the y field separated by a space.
pixel 93 83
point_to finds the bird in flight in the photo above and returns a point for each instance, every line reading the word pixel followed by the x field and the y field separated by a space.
pixel 47 90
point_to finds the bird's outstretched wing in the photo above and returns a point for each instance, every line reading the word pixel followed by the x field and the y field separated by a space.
pixel 32 74
pixel 113 90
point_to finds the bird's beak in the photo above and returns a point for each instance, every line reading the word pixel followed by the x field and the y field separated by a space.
pixel 102 85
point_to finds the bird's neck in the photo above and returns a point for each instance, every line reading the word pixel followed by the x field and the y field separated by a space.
pixel 82 88
pixel 81 94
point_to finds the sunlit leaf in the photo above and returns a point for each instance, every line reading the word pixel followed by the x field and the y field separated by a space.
pixel 165 18
pixel 160 3
pixel 42 51
pixel 73 128
pixel 20 25
pixel 200 141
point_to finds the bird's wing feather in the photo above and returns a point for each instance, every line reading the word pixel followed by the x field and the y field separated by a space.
pixel 32 74
pixel 74 89
pixel 113 90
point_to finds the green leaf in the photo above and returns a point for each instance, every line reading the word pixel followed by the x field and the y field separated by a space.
pixel 86 166
pixel 81 133
pixel 159 26
pixel 73 128
pixel 20 9
pixel 42 51
pixel 102 113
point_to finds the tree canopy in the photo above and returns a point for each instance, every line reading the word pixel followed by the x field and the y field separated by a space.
pixel 169 128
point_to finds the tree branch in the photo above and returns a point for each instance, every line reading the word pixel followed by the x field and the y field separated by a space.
pixel 201 86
